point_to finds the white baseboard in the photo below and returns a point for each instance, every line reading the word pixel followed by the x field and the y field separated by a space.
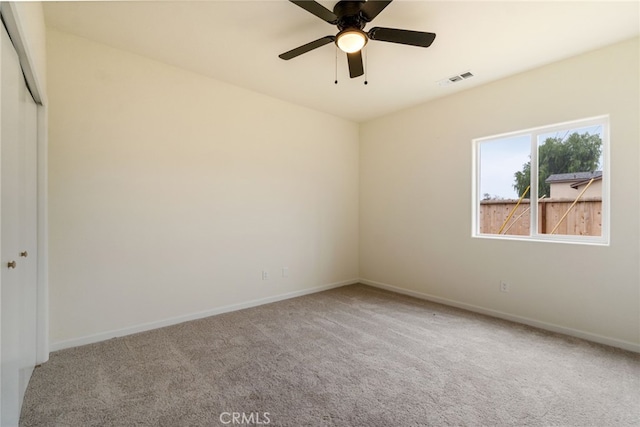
pixel 103 336
pixel 626 345
pixel 90 339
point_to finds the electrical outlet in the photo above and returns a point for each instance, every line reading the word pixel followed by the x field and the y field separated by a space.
pixel 504 287
pixel 265 275
pixel 285 271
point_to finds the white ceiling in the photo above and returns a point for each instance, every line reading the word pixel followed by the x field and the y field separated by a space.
pixel 239 41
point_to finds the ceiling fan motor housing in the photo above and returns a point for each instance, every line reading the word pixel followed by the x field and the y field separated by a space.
pixel 350 14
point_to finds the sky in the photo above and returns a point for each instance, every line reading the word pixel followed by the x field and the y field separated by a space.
pixel 500 159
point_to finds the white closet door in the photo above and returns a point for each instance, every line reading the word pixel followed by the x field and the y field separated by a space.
pixel 9 233
pixel 17 234
pixel 29 239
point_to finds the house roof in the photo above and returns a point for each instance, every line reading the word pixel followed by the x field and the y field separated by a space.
pixel 574 177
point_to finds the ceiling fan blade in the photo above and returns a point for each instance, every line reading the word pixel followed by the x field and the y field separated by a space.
pixel 317 9
pixel 372 8
pixel 307 47
pixel 413 38
pixel 356 68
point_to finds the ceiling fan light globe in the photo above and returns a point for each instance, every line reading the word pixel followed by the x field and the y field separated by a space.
pixel 350 41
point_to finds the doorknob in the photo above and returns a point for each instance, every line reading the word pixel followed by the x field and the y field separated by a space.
pixel 24 254
pixel 11 264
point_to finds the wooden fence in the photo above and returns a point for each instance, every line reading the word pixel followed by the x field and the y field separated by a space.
pixel 584 219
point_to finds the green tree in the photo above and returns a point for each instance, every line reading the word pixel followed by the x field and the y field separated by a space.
pixel 577 153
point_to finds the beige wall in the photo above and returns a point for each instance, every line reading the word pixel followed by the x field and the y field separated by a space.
pixel 171 192
pixel 415 201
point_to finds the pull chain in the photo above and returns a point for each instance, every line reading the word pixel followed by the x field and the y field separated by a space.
pixel 336 81
pixel 366 64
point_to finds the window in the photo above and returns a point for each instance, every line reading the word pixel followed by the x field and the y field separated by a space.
pixel 569 166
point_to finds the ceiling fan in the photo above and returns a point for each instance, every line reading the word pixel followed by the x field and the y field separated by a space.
pixel 351 16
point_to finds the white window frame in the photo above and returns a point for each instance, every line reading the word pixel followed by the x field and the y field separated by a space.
pixel 533 195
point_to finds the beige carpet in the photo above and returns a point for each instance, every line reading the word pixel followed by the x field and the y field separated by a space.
pixel 353 356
